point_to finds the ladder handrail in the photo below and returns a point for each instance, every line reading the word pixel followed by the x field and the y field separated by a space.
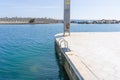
pixel 61 40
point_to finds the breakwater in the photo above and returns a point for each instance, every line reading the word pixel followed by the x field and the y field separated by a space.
pixel 103 21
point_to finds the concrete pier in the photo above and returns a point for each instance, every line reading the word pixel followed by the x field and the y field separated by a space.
pixel 90 55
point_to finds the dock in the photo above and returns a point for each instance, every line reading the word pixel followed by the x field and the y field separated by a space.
pixel 90 55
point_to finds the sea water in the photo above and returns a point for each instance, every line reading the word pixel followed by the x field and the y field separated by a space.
pixel 27 51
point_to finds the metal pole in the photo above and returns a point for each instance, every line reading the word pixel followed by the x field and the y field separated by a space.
pixel 66 18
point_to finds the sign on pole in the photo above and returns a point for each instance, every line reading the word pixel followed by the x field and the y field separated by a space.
pixel 66 17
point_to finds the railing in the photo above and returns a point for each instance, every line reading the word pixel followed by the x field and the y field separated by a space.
pixel 65 44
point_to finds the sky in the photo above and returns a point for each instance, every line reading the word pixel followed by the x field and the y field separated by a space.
pixel 80 9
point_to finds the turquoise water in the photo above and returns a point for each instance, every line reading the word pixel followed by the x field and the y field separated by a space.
pixel 27 51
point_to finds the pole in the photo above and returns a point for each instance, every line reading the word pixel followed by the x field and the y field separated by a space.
pixel 66 18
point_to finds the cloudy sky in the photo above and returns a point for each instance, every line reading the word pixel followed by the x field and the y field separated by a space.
pixel 80 9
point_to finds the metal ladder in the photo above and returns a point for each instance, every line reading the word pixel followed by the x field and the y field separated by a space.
pixel 65 48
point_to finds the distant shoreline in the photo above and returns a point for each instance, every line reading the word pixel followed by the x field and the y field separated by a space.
pixel 103 21
pixel 18 20
pixel 28 23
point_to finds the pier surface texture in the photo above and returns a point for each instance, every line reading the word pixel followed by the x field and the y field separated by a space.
pixel 91 55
